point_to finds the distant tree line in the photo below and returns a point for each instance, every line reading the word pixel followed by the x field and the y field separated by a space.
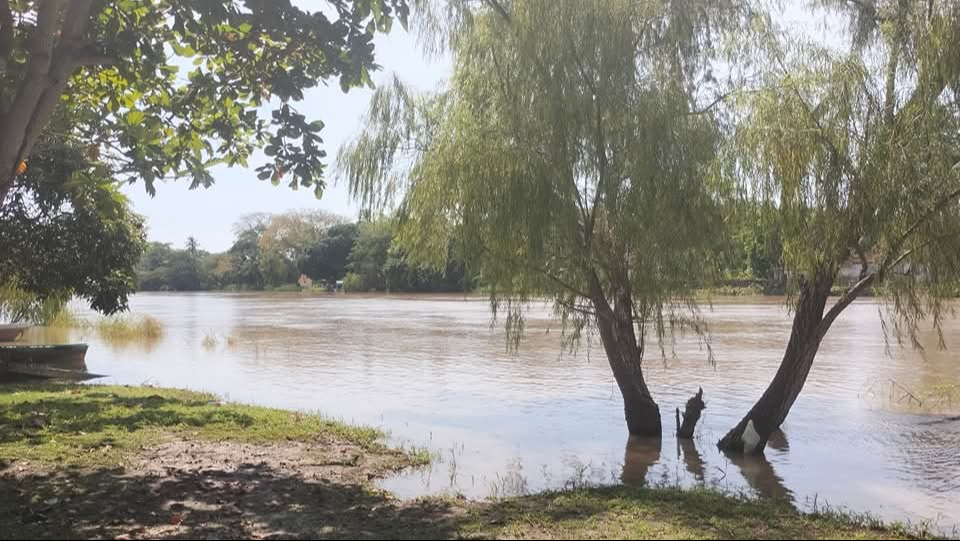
pixel 297 249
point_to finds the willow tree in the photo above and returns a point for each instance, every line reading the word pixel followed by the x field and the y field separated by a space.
pixel 565 160
pixel 857 149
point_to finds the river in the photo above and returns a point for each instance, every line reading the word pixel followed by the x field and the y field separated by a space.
pixel 434 372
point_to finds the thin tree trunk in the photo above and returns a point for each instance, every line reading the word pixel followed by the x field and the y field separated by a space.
pixel 766 416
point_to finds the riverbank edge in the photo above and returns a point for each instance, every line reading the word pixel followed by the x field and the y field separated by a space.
pixel 72 457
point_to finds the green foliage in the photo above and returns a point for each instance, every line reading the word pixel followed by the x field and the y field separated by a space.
pixel 564 160
pixel 169 88
pixel 857 151
pixel 327 259
pixel 66 230
pixel 164 268
pixel 753 247
pixel 354 283
pixel 17 305
pixel 369 256
pixel 244 255
pixel 286 243
pixel 272 251
pixel 378 263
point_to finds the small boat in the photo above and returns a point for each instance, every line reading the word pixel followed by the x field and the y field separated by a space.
pixel 45 360
pixel 11 331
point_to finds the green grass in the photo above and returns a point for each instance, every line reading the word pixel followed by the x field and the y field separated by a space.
pixel 94 425
pixel 66 318
pixel 286 288
pixel 642 513
pixel 115 328
pixel 102 426
pixel 130 328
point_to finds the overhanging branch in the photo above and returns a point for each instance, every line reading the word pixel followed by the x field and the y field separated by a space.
pixel 498 7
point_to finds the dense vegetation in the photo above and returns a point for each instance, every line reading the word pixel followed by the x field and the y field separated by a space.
pixel 297 250
pixel 94 93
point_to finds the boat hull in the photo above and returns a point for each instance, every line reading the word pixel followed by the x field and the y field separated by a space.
pixel 59 357
pixel 12 331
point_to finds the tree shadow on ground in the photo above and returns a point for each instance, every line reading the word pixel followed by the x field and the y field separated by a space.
pixel 246 501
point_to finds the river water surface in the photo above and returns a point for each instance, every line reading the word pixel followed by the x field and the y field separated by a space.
pixel 434 372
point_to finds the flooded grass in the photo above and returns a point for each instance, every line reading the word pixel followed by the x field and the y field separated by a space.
pixel 112 329
pixel 130 328
pixel 67 319
pixel 210 340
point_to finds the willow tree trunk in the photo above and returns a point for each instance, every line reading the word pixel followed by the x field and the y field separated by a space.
pixel 625 354
pixel 766 416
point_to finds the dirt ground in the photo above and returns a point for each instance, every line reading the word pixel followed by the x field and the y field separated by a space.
pixel 219 490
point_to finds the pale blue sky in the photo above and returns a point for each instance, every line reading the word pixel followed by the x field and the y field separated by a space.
pixel 208 214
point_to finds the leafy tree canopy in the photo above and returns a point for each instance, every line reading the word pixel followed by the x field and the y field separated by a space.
pixel 857 149
pixel 67 231
pixel 168 88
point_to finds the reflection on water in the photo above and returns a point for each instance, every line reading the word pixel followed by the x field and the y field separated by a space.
pixel 433 372
pixel 640 455
pixel 761 476
pixel 691 459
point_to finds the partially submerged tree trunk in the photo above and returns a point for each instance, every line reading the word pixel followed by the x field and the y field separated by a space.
pixel 766 416
pixel 691 415
pixel 619 337
pixel 620 344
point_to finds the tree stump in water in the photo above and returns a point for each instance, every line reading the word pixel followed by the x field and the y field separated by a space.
pixel 690 417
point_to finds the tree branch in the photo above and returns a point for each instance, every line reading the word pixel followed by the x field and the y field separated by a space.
pixel 721 98
pixel 601 146
pixel 866 7
pixel 76 20
pixel 575 307
pixel 563 284
pixel 946 200
pixel 498 7
pixel 42 42
pixel 6 32
pixel 65 62
pixel 848 297
pixel 94 60
pixel 911 251
pixel 890 93
pixel 864 265
pixel 931 83
pixel 17 120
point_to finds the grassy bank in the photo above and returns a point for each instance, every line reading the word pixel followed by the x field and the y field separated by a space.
pixel 641 513
pixel 134 462
pixel 97 425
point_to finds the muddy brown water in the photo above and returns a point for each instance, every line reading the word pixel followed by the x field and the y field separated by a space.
pixel 433 372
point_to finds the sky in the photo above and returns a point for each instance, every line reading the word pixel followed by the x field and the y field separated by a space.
pixel 208 214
